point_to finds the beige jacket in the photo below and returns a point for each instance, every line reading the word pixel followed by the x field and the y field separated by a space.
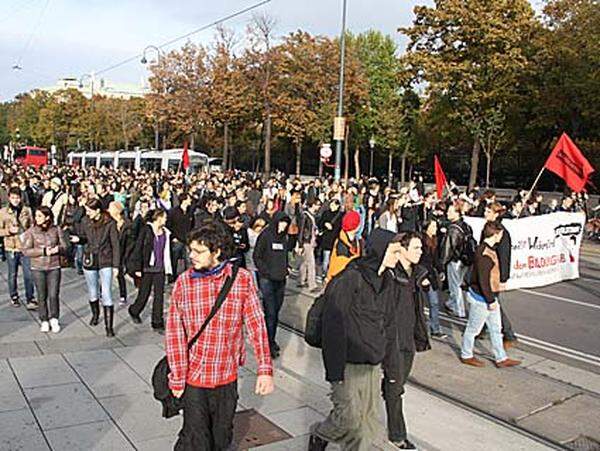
pixel 7 219
pixel 35 240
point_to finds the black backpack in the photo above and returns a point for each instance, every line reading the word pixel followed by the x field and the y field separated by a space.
pixel 469 245
pixel 313 330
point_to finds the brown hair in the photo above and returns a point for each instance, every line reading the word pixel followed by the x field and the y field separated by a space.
pixel 491 228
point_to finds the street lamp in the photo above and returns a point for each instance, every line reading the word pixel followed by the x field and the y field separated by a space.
pixel 372 146
pixel 340 112
pixel 144 60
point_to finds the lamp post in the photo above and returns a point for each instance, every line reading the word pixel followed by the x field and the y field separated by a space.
pixel 340 111
pixel 372 147
pixel 144 60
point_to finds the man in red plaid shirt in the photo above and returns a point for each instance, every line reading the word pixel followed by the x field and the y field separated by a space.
pixel 206 377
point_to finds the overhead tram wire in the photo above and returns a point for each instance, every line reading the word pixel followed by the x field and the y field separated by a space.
pixel 187 35
pixel 34 31
pixel 17 8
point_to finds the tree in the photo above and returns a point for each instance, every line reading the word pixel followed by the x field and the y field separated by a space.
pixel 473 52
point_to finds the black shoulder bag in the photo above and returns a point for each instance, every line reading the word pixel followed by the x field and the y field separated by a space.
pixel 160 377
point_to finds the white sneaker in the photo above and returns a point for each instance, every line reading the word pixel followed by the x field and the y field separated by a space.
pixel 54 325
pixel 45 327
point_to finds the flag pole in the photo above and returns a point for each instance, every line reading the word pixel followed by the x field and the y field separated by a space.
pixel 537 179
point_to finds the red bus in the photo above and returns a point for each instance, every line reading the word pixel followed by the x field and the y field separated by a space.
pixel 31 156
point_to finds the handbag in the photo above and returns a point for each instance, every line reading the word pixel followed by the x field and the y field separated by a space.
pixel 160 376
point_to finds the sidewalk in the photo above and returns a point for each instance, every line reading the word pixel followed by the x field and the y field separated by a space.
pixel 79 390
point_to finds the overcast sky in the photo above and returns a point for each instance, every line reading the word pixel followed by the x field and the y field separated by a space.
pixel 52 39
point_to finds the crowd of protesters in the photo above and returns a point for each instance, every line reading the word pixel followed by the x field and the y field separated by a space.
pixel 377 253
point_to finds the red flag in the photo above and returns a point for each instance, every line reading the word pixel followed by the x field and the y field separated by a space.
pixel 440 177
pixel 185 158
pixel 567 161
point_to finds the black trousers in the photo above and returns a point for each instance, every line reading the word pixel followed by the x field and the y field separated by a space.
pixel 122 282
pixel 208 418
pixel 151 281
pixel 47 285
pixel 178 252
pixel 392 394
pixel 273 293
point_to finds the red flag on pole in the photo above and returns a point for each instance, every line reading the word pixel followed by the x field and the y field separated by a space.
pixel 440 177
pixel 185 158
pixel 567 161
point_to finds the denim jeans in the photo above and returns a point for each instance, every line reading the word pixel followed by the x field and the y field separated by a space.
pixel 433 296
pixel 99 282
pixel 47 284
pixel 456 275
pixel 478 316
pixel 273 292
pixel 78 257
pixel 14 259
pixel 326 258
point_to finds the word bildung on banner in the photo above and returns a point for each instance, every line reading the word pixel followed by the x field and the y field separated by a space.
pixel 545 249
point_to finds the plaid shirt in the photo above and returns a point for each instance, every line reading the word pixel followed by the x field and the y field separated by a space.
pixel 214 359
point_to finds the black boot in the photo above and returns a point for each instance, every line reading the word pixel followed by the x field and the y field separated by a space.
pixel 316 443
pixel 95 306
pixel 108 320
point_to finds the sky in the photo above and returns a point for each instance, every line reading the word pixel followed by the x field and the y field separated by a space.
pixel 52 39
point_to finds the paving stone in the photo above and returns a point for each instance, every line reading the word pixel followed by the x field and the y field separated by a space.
pixel 571 375
pixel 11 397
pixel 297 421
pixel 19 331
pixel 294 444
pixel 9 313
pixel 142 358
pixel 19 349
pixel 99 436
pixel 508 393
pixel 277 401
pixel 567 421
pixel 42 371
pixel 140 417
pixel 106 374
pixel 64 345
pixel 64 405
pixel 157 444
pixel 19 431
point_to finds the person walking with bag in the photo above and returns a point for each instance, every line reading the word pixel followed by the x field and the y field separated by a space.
pixel 43 243
pixel 205 376
pixel 101 253
pixel 151 262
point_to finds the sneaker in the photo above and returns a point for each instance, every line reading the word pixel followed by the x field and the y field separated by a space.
pixel 122 301
pixel 45 327
pixel 507 363
pixel 54 325
pixel 404 444
pixel 15 302
pixel 31 305
pixel 440 335
pixel 473 361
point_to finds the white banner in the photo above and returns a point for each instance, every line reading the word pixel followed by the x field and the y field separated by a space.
pixel 545 249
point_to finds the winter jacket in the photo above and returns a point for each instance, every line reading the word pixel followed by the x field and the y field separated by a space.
pixel 270 252
pixel 180 223
pixel 328 237
pixel 35 240
pixel 127 241
pixel 343 253
pixel 9 217
pixel 100 237
pixel 485 277
pixel 142 259
pixel 503 250
pixel 430 260
pixel 454 241
pixel 355 318
pixel 308 229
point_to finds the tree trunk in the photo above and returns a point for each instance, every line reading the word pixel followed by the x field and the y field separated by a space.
pixel 474 163
pixel 403 168
pixel 357 162
pixel 298 157
pixel 488 169
pixel 225 146
pixel 346 157
pixel 192 140
pixel 267 163
pixel 390 168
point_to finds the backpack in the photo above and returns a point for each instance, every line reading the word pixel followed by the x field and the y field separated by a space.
pixel 469 246
pixel 313 330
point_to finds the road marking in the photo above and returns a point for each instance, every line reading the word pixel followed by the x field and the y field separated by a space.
pixel 560 298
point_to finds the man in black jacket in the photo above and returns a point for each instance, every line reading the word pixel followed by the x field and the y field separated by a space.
pixel 354 325
pixel 179 222
pixel 493 213
pixel 406 334
pixel 271 260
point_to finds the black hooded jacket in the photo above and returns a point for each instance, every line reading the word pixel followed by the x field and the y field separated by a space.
pixel 354 315
pixel 270 252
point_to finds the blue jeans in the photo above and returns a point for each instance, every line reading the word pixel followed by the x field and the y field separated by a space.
pixel 433 296
pixel 456 275
pixel 99 282
pixel 478 316
pixel 78 257
pixel 326 258
pixel 273 292
pixel 14 259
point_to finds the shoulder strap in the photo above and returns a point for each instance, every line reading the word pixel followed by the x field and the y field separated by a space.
pixel 217 305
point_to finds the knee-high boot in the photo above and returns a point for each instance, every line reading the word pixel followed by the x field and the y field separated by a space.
pixel 108 320
pixel 95 307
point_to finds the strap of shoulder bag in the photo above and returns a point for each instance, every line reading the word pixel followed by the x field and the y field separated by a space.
pixel 217 305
